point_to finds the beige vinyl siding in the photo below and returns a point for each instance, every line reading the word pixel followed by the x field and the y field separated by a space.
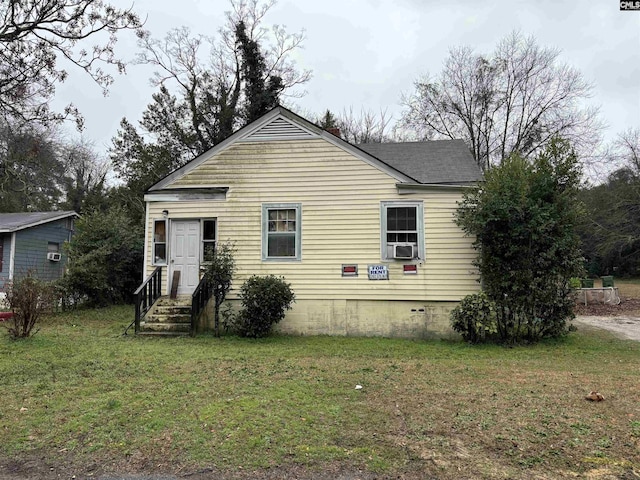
pixel 340 197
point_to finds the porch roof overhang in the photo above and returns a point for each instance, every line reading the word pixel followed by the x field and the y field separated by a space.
pixel 186 194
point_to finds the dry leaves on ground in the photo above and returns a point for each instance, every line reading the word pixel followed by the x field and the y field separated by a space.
pixel 627 307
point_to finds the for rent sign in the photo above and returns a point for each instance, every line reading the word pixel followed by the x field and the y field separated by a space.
pixel 378 272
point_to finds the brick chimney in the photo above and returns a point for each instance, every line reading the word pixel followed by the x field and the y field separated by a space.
pixel 334 131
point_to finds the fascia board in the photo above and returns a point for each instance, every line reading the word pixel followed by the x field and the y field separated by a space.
pixel 408 188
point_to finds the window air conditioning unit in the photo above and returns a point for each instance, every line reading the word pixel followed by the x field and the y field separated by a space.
pixel 403 251
pixel 54 256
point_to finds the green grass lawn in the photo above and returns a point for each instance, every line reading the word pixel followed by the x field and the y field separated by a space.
pixel 80 394
pixel 629 287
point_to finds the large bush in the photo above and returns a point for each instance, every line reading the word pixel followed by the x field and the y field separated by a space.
pixel 265 301
pixel 524 221
pixel 28 298
pixel 105 258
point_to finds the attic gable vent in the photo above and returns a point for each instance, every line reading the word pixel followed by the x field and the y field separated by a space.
pixel 279 129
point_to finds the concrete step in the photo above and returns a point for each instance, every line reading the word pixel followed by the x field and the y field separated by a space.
pixel 179 301
pixel 162 333
pixel 170 318
pixel 165 327
pixel 172 309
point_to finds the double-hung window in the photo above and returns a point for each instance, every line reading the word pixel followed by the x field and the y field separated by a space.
pixel 402 230
pixel 159 242
pixel 281 231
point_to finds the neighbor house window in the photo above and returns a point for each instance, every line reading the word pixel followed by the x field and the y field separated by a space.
pixel 402 230
pixel 160 242
pixel 53 247
pixel 281 227
pixel 208 239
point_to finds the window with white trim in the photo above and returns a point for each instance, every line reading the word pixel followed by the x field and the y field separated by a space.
pixel 208 239
pixel 159 248
pixel 281 231
pixel 402 230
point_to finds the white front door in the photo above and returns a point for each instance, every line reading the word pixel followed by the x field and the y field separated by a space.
pixel 185 254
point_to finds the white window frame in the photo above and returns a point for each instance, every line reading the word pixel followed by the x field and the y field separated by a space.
pixel 266 207
pixel 418 205
pixel 202 240
pixel 154 242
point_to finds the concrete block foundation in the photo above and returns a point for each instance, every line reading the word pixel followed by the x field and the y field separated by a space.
pixel 361 318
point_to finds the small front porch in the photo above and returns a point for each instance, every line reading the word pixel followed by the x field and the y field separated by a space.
pixel 168 315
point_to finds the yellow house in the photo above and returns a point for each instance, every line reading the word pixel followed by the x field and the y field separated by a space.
pixel 363 233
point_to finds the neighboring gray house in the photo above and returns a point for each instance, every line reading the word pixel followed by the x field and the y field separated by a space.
pixel 33 242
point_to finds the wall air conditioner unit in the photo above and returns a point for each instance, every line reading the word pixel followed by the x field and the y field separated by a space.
pixel 403 251
pixel 54 256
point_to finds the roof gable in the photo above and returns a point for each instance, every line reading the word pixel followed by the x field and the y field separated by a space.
pixel 279 124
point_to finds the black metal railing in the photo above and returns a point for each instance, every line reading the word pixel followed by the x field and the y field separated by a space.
pixel 199 299
pixel 147 294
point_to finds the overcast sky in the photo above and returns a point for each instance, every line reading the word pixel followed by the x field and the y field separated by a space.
pixel 366 53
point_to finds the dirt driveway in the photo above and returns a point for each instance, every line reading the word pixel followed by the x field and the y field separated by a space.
pixel 622 326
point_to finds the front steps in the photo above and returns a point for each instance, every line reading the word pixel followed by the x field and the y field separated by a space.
pixel 168 317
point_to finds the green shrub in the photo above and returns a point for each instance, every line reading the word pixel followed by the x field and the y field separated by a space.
pixel 28 298
pixel 475 318
pixel 575 282
pixel 105 258
pixel 264 303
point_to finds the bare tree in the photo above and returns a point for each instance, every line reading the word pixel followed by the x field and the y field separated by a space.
pixel 31 171
pixel 365 127
pixel 36 34
pixel 627 150
pixel 515 100
pixel 620 156
pixel 208 72
pixel 85 182
pixel 40 170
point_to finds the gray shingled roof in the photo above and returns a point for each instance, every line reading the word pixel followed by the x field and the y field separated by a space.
pixel 11 222
pixel 435 161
